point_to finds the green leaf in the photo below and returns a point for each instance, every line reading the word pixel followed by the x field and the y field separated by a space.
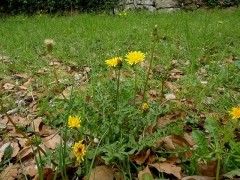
pixel 212 126
pixel 8 152
pixel 232 173
pixel 200 140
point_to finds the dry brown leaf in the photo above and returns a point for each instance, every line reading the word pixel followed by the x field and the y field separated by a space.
pixel 46 172
pixel 208 169
pixel 173 160
pixel 24 153
pixel 22 75
pixel 51 141
pixel 21 141
pixel 188 137
pixel 141 157
pixel 168 144
pixel 170 86
pixel 8 86
pixel 178 140
pixel 87 69
pixel 36 123
pixel 16 148
pixel 118 176
pixel 31 170
pixel 151 159
pixel 10 173
pixel 152 92
pixel 170 117
pixel 102 172
pixel 168 168
pixel 28 82
pixel 146 170
pixel 175 71
pixel 55 63
pixel 198 178
pixel 45 130
pixel 22 88
pixel 4 120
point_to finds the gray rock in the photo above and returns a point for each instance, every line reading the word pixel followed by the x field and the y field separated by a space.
pixel 165 3
pixel 145 2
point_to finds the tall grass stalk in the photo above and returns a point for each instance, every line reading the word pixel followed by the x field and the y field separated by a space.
pixel 155 38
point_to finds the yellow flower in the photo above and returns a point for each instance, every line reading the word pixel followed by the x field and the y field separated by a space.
pixel 135 57
pixel 235 113
pixel 114 61
pixel 74 122
pixel 145 106
pixel 79 150
pixel 124 13
pixel 220 22
pixel 120 14
pixel 49 44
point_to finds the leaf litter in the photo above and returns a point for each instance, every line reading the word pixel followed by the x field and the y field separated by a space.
pixel 23 87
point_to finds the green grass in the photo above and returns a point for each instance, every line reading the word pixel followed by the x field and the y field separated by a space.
pixel 205 45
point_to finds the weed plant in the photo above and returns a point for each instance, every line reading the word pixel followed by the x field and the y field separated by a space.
pixel 112 115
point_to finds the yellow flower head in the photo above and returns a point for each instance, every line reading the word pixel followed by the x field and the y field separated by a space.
pixel 49 44
pixel 235 113
pixel 145 106
pixel 220 22
pixel 135 57
pixel 79 150
pixel 114 61
pixel 124 13
pixel 74 122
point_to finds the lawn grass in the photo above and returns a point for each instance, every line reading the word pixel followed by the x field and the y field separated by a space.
pixel 204 46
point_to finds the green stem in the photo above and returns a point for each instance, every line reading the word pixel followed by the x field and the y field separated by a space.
pixel 56 78
pixel 150 65
pixel 135 86
pixel 219 154
pixel 117 92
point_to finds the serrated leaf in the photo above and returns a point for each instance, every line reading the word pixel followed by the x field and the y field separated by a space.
pixel 212 126
pixel 201 142
pixel 232 173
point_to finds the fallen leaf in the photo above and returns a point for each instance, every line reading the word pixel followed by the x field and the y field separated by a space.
pixel 16 148
pixel 31 170
pixel 10 173
pixel 51 141
pixel 36 123
pixel 118 176
pixel 141 157
pixel 101 172
pixel 208 169
pixel 8 86
pixel 168 168
pixel 198 178
pixel 22 75
pixel 25 152
pixel 170 86
pixel 152 92
pixel 28 82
